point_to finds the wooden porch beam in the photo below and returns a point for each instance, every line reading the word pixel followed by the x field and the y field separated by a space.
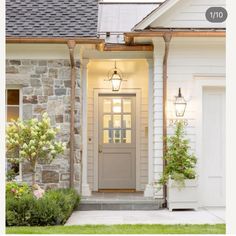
pixel 122 47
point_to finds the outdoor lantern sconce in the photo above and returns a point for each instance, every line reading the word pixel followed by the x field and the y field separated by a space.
pixel 180 105
pixel 115 77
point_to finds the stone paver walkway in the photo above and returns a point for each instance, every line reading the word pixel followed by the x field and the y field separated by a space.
pixel 202 216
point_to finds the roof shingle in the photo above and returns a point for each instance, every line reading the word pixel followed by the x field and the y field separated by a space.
pixel 51 18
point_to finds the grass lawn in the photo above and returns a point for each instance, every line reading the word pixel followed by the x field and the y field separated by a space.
pixel 121 229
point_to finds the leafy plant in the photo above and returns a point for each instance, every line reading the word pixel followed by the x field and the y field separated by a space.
pixel 11 174
pixel 54 208
pixel 180 164
pixel 32 140
pixel 17 190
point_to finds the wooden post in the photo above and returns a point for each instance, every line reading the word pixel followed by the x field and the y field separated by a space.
pixel 71 44
pixel 167 39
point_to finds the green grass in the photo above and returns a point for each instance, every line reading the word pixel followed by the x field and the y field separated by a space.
pixel 121 229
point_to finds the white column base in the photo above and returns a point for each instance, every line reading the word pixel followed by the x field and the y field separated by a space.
pixel 86 192
pixel 149 191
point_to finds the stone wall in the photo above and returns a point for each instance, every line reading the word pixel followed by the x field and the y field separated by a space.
pixel 45 86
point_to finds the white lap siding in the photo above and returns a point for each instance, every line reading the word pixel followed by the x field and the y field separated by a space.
pixel 188 57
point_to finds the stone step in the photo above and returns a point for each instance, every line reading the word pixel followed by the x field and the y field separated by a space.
pixel 120 204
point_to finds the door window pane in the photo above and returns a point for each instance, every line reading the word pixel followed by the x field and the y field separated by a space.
pixel 126 121
pixel 127 105
pixel 107 121
pixel 117 136
pixel 116 121
pixel 13 97
pixel 107 136
pixel 126 136
pixel 12 113
pixel 116 105
pixel 107 105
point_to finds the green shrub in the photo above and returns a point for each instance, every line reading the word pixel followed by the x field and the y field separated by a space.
pixel 66 200
pixel 53 208
pixel 17 190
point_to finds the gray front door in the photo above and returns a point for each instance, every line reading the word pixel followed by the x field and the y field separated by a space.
pixel 116 142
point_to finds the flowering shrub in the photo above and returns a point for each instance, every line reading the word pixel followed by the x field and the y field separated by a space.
pixel 53 208
pixel 38 191
pixel 32 140
pixel 17 190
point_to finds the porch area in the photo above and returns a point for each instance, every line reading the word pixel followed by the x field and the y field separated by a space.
pixel 119 201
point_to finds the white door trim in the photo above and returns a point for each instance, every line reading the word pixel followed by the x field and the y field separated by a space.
pixel 200 83
pixel 137 93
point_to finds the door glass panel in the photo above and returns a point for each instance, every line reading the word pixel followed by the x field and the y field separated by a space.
pixel 116 105
pixel 107 121
pixel 106 105
pixel 126 105
pixel 117 136
pixel 116 121
pixel 126 136
pixel 126 121
pixel 12 113
pixel 107 136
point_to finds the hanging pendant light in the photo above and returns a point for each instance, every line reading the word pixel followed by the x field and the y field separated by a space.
pixel 116 79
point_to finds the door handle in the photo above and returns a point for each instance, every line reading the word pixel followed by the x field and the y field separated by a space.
pixel 99 148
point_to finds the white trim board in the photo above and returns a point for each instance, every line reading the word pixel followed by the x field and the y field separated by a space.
pixel 154 15
pixel 137 93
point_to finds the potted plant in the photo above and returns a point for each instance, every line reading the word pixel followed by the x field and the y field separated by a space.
pixel 179 173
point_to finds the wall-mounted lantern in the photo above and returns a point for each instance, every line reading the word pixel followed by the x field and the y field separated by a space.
pixel 180 105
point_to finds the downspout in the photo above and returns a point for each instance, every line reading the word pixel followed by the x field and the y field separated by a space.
pixel 71 45
pixel 167 39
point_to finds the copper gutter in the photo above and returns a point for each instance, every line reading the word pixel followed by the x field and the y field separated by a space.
pixel 71 45
pixel 100 43
pixel 54 40
pixel 129 37
pixel 167 38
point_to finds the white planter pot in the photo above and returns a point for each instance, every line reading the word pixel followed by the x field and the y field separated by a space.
pixel 184 198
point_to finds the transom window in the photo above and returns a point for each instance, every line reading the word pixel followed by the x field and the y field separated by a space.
pixel 117 120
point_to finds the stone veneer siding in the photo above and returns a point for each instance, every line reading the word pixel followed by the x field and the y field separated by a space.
pixel 46 87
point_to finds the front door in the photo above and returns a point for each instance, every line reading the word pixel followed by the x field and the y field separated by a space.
pixel 116 142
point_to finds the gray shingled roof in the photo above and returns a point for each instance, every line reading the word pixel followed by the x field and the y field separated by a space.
pixel 51 18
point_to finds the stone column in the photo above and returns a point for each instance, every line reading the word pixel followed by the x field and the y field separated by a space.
pixel 85 186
